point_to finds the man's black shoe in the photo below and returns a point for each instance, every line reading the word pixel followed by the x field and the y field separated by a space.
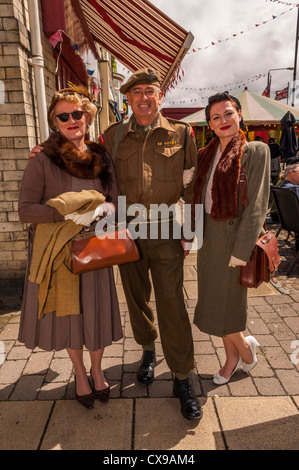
pixel 190 406
pixel 145 374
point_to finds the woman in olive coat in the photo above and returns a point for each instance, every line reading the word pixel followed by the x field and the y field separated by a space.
pixel 230 230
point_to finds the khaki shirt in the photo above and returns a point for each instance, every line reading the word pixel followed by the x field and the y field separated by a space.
pixel 149 169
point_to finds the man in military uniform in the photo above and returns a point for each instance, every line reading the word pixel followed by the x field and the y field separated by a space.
pixel 151 153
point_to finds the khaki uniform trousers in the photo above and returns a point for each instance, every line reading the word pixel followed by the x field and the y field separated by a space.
pixel 164 258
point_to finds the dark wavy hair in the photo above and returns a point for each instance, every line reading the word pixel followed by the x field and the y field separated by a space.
pixel 224 97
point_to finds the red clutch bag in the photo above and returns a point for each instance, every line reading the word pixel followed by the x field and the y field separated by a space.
pixel 91 252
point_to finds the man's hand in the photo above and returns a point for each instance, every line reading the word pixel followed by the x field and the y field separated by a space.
pixel 186 247
pixel 37 149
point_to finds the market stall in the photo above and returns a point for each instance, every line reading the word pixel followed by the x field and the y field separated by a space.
pixel 261 116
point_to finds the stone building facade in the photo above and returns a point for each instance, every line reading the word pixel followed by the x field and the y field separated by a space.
pixel 19 132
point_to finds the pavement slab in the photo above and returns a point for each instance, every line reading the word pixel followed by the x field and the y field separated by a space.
pixel 73 427
pixel 159 426
pixel 22 424
pixel 259 410
pixel 259 423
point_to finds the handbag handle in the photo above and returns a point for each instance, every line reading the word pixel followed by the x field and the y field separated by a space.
pixel 110 228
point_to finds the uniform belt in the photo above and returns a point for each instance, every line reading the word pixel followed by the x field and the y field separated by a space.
pixel 148 215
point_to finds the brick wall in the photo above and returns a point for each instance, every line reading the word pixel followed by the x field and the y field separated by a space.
pixel 18 134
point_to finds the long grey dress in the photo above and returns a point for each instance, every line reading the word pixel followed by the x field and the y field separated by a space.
pixel 99 323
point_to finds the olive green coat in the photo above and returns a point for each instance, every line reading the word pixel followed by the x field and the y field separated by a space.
pixel 222 301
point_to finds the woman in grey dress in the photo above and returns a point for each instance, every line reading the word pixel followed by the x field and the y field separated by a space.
pixel 67 165
pixel 230 230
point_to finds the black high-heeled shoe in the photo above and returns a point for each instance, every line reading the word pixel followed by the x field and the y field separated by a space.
pixel 102 395
pixel 85 400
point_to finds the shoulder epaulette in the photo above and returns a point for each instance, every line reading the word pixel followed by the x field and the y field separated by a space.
pixel 177 121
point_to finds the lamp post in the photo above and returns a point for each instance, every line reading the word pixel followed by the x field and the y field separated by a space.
pixel 295 60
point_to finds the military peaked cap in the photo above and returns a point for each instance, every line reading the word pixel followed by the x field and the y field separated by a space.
pixel 142 77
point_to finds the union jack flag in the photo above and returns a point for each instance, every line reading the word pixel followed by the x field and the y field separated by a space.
pixel 266 91
pixel 282 94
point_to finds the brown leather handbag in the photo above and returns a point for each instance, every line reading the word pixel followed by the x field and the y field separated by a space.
pixel 265 257
pixel 263 263
pixel 91 252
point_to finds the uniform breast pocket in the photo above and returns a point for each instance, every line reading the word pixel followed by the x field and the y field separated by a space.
pixel 126 165
pixel 168 163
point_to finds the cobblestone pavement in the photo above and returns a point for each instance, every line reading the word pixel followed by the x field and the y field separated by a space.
pixel 28 377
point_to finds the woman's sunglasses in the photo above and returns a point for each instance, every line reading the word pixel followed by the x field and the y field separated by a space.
pixel 64 117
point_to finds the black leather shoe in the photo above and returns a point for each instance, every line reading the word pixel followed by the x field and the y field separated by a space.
pixel 190 406
pixel 102 395
pixel 85 400
pixel 145 374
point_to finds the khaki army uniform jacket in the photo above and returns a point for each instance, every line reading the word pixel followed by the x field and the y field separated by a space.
pixel 149 169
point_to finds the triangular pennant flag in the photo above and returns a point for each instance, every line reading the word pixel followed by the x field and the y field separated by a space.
pixel 55 38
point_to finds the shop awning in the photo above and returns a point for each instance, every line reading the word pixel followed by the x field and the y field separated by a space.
pixel 137 34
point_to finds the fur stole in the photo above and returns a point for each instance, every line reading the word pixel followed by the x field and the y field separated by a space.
pixel 226 177
pixel 86 165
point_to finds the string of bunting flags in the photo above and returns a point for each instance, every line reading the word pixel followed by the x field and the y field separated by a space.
pixel 283 3
pixel 226 87
pixel 57 38
pixel 90 64
pixel 213 43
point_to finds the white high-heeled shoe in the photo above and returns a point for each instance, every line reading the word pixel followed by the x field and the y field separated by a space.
pixel 253 344
pixel 220 380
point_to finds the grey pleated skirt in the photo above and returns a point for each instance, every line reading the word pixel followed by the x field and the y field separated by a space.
pixel 222 302
pixel 97 326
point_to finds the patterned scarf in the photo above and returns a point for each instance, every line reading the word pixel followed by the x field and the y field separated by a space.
pixel 226 177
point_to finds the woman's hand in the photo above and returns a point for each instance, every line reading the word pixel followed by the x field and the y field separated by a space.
pixel 87 218
pixel 234 262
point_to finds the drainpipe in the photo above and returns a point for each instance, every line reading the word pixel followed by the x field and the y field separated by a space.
pixel 104 114
pixel 37 62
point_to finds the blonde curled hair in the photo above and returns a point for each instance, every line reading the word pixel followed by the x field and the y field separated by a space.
pixel 80 97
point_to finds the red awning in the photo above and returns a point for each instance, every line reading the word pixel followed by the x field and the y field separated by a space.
pixel 137 34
